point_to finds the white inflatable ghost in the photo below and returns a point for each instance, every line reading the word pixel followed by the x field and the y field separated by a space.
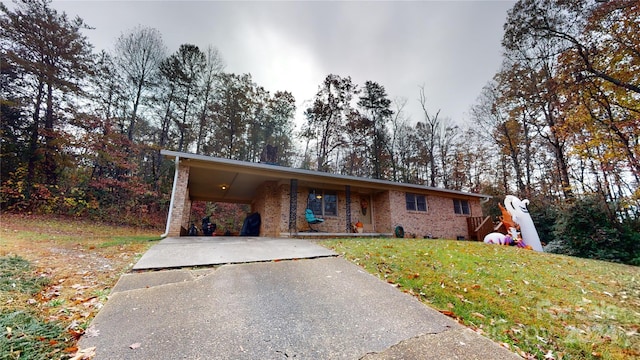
pixel 495 238
pixel 520 214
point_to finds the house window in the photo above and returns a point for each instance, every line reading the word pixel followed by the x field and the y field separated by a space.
pixel 461 207
pixel 416 202
pixel 323 203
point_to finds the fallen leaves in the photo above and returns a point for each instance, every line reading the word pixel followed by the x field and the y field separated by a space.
pixel 84 354
pixel 478 315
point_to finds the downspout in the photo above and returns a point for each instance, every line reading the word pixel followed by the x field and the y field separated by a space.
pixel 173 194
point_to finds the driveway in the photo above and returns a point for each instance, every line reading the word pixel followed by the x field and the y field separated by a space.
pixel 314 307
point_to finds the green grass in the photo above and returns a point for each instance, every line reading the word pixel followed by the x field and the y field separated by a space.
pixel 24 336
pixel 126 240
pixel 16 275
pixel 537 304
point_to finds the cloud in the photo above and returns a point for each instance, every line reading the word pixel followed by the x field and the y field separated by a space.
pixel 452 47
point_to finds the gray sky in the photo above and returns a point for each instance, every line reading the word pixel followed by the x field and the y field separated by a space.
pixel 452 47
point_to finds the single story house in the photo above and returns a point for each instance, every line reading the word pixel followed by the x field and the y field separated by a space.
pixel 281 195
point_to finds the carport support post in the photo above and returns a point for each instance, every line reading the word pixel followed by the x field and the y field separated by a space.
pixel 179 200
pixel 293 206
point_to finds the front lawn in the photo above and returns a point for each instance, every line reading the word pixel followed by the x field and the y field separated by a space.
pixel 55 275
pixel 539 305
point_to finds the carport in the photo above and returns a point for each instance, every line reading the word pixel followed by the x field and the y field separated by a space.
pixel 271 190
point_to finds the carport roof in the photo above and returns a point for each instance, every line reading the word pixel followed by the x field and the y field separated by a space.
pixel 224 180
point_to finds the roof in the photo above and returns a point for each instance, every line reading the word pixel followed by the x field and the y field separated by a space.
pixel 225 180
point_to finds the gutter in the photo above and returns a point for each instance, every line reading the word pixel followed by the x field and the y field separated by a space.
pixel 173 192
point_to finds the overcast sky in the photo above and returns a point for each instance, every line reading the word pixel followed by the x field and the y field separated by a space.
pixel 452 47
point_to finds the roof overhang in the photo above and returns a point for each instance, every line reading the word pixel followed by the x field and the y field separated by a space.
pixel 224 180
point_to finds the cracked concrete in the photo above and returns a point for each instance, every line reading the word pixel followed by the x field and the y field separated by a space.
pixel 322 308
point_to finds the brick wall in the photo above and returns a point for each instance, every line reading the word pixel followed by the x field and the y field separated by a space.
pixel 439 220
pixel 181 203
pixel 382 212
pixel 388 211
pixel 336 223
pixel 267 203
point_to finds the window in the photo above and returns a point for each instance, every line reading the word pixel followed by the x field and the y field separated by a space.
pixel 416 202
pixel 323 203
pixel 461 207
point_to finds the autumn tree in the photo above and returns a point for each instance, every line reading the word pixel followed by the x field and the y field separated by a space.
pixel 399 131
pixel 537 84
pixel 601 98
pixel 51 55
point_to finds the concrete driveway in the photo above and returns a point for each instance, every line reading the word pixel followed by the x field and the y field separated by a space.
pixel 318 306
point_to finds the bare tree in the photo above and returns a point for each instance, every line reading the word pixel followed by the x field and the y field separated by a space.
pixel 138 55
pixel 429 133
pixel 213 67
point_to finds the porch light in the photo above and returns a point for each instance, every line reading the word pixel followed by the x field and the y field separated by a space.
pixel 224 187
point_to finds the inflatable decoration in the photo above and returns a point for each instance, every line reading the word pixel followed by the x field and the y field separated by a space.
pixel 520 215
pixel 495 238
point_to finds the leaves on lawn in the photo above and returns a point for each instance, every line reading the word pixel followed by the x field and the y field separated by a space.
pixel 84 354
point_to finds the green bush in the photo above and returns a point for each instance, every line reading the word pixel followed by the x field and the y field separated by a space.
pixel 590 228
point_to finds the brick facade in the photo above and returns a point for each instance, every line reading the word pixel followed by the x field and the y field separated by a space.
pixel 387 210
pixel 439 221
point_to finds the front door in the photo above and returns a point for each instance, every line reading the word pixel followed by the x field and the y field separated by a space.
pixel 364 212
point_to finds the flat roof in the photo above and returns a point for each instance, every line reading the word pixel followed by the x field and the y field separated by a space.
pixel 225 180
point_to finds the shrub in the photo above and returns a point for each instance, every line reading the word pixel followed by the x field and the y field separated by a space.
pixel 588 227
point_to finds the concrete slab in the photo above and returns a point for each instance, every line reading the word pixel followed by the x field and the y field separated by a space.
pixel 458 344
pixel 325 308
pixel 216 250
pixel 150 279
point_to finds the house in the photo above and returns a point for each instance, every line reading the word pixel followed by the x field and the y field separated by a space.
pixel 281 196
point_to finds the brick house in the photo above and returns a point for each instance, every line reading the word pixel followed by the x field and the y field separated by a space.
pixel 281 195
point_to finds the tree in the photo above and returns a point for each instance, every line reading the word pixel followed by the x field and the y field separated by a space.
pixel 138 55
pixel 399 134
pixel 579 26
pixel 51 56
pixel 212 68
pixel 536 81
pixel 326 117
pixel 447 136
pixel 428 131
pixel 184 69
pixel 232 109
pixel 278 127
pixel 376 110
